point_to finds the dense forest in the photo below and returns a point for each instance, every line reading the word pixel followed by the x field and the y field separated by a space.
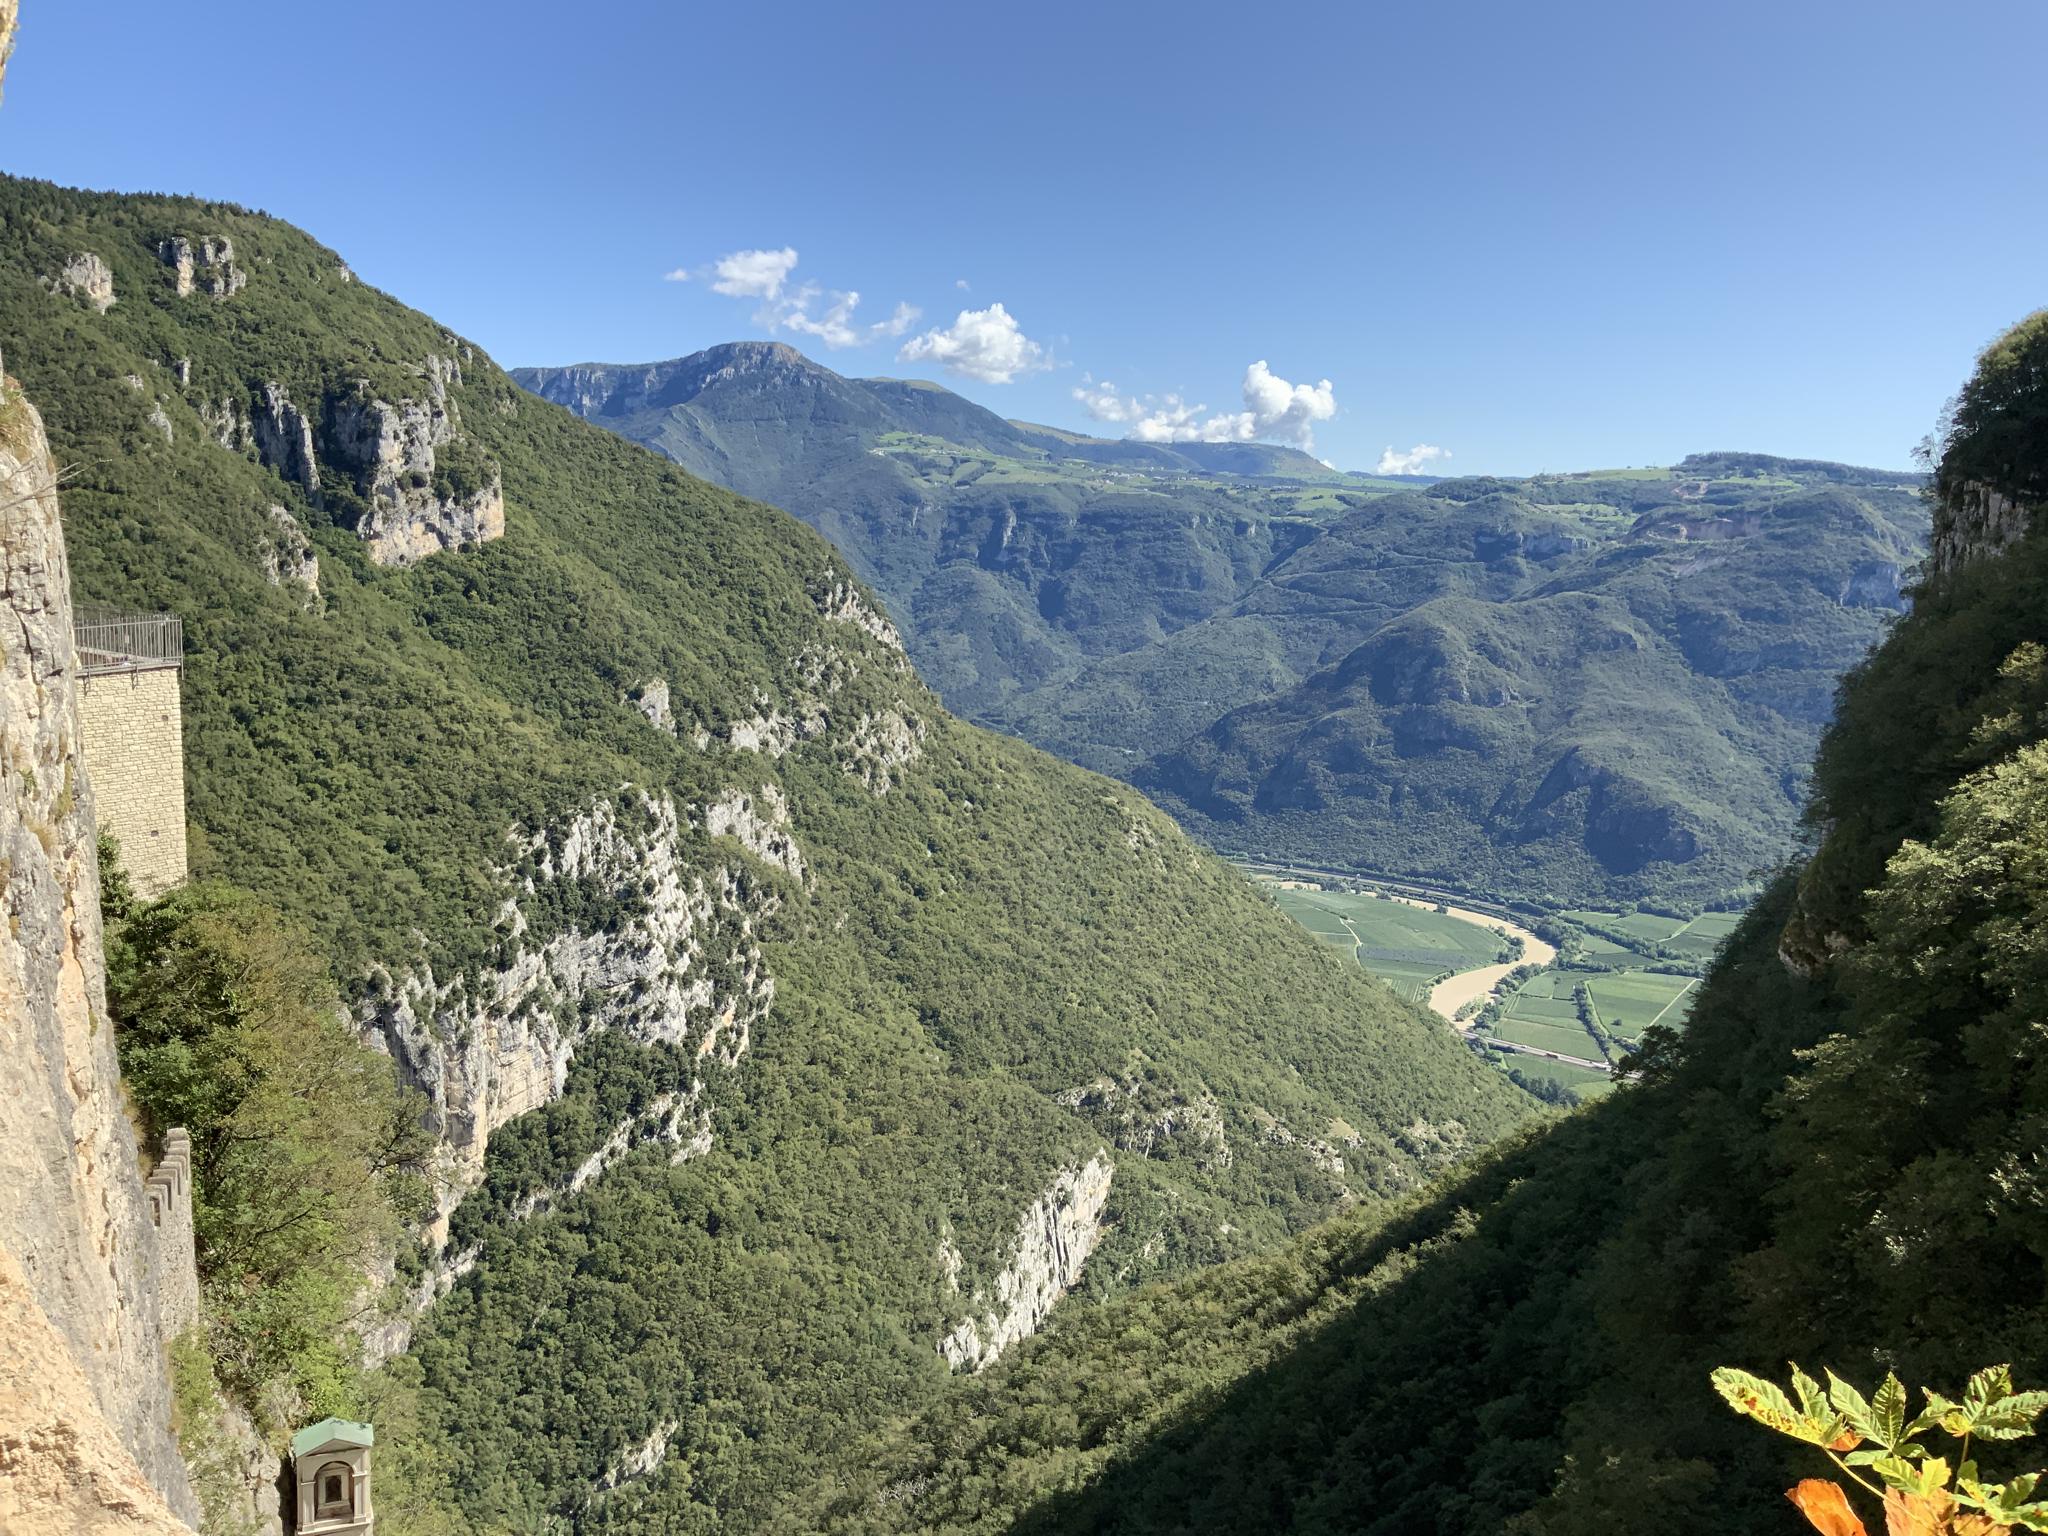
pixel 1837 1163
pixel 643 792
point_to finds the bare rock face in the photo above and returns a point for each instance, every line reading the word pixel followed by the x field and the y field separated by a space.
pixel 653 702
pixel 286 555
pixel 74 1224
pixel 87 277
pixel 1976 522
pixel 685 968
pixel 390 448
pixel 283 437
pixel 1055 1236
pixel 64 1469
pixel 759 823
pixel 205 267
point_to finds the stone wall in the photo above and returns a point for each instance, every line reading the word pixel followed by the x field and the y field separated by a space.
pixel 169 1192
pixel 135 755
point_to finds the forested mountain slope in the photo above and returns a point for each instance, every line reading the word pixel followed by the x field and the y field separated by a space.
pixel 1838 1163
pixel 1572 687
pixel 777 1029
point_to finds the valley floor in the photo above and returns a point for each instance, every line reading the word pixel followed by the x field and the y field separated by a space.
pixel 1566 1017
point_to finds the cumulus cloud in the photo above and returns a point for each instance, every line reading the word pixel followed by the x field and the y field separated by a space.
pixel 1416 461
pixel 832 322
pixel 984 344
pixel 807 309
pixel 753 274
pixel 1274 411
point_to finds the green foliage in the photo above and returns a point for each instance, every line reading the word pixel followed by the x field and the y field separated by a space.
pixel 117 892
pixel 970 954
pixel 1875 1434
pixel 1995 432
pixel 1829 1155
pixel 228 1025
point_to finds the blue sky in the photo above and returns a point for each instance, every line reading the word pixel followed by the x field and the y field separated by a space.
pixel 1537 236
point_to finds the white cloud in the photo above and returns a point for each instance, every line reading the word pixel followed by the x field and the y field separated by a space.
pixel 1274 410
pixel 984 344
pixel 808 309
pixel 1416 461
pixel 752 274
pixel 834 324
pixel 960 283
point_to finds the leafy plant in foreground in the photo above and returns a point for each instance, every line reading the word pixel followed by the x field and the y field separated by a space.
pixel 1923 1494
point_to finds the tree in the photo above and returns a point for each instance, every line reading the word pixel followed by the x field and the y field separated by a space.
pixel 302 1140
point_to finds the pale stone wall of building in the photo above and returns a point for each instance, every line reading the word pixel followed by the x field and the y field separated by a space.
pixel 135 757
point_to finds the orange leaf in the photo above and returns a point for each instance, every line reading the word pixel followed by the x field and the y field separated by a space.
pixel 1979 1525
pixel 1847 1440
pixel 1826 1507
pixel 1913 1514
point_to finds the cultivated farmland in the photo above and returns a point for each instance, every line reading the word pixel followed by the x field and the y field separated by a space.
pixel 1409 946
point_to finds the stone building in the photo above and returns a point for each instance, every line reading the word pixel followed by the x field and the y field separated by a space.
pixel 331 1476
pixel 134 738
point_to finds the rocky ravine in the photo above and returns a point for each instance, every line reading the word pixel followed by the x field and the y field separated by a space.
pixel 80 1265
pixel 682 965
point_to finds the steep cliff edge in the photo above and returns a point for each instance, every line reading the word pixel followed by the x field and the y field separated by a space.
pixel 76 1236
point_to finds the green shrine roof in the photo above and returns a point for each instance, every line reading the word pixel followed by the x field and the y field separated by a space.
pixel 328 1431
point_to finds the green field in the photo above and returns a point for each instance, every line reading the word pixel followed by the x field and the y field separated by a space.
pixel 1703 935
pixel 1584 1081
pixel 1628 1002
pixel 1410 947
pixel 1696 939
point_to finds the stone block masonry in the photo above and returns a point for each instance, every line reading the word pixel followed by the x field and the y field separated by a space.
pixel 169 1192
pixel 135 757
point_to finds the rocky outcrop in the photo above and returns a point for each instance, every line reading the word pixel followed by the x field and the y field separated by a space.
pixel 1974 522
pixel 87 277
pixel 284 438
pixel 416 508
pixel 74 1218
pixel 642 1459
pixel 842 602
pixel 653 702
pixel 1874 584
pixel 65 1470
pixel 207 266
pixel 228 425
pixel 760 824
pixel 285 555
pixel 1139 1116
pixel 1055 1236
pixel 881 747
pixel 681 964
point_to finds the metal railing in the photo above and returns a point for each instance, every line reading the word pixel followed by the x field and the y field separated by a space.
pixel 111 640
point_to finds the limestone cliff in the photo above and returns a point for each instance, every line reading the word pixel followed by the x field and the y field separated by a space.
pixel 63 1469
pixel 76 1226
pixel 1973 522
pixel 399 455
pixel 678 959
pixel 1055 1236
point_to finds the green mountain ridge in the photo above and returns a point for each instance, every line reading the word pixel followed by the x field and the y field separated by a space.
pixel 1564 688
pixel 1837 1163
pixel 758 1003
